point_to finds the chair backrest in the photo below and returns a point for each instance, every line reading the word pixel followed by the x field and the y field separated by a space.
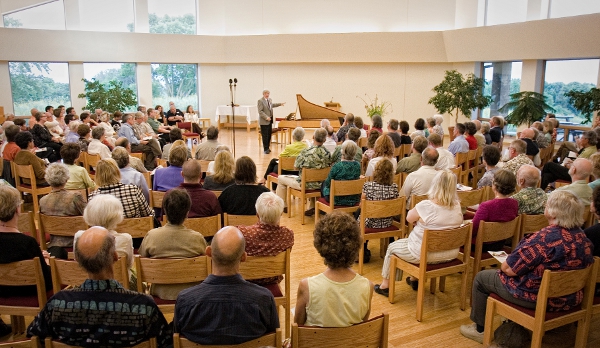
pixel 61 225
pixel 34 342
pixel 371 333
pixel 162 162
pixel 26 272
pixel 457 171
pixel 26 224
pixel 207 226
pixel 267 340
pixel 532 223
pixel 471 197
pixel 256 267
pixel 588 217
pixel 406 149
pixel 382 209
pixel 562 283
pixel 68 272
pixel 461 158
pixel 236 220
pixel 346 188
pixel 156 198
pixel 398 152
pixel 446 239
pixel 217 193
pixel 203 165
pixel 286 163
pixel 415 199
pixel 310 175
pixel 362 142
pixel 136 227
pixel 137 155
pixel 83 192
pixel 24 172
pixel 49 343
pixel 148 179
pixel 496 231
pixel 171 271
pixel 91 161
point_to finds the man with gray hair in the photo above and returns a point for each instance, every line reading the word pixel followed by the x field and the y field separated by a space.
pixel 129 176
pixel 314 157
pixel 413 162
pixel 479 136
pixel 113 316
pixel 290 150
pixel 348 123
pixel 419 181
pixel 137 145
pixel 518 157
pixel 532 199
pixel 580 172
pixel 330 144
pixel 134 162
pixel 96 147
pixel 225 309
pixel 265 120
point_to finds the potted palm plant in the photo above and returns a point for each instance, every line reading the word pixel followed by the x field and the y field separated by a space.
pixel 585 102
pixel 525 108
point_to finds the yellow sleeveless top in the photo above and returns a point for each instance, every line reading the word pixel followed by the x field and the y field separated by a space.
pixel 333 304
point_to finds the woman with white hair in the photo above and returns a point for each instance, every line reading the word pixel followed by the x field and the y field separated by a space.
pixel 346 169
pixel 267 237
pixel 109 131
pixel 438 125
pixel 107 211
pixel 60 202
pixel 72 136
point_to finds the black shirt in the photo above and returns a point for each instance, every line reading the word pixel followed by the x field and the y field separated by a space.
pixel 532 148
pixel 241 199
pixel 170 114
pixel 406 139
pixel 396 138
pixel 593 234
pixel 496 134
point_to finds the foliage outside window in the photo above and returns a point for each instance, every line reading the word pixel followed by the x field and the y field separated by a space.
pixel 38 84
pixel 501 80
pixel 176 83
pixel 120 72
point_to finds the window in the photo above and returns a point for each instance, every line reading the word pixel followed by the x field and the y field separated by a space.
pixel 50 15
pixel 176 83
pixel 105 72
pixel 501 80
pixel 38 84
pixel 566 8
pixel 106 15
pixel 172 17
pixel 562 76
pixel 505 11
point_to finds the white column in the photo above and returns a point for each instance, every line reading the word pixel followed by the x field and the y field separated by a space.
pixel 141 16
pixel 77 86
pixel 532 75
pixel 5 90
pixel 72 15
pixel 143 75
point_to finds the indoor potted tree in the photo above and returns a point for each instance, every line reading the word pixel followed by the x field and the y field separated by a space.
pixel 586 103
pixel 525 108
pixel 458 94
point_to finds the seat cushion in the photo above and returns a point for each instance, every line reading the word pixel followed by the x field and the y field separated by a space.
pixel 190 134
pixel 275 175
pixel 23 301
pixel 377 230
pixel 274 289
pixel 324 201
pixel 531 312
pixel 160 301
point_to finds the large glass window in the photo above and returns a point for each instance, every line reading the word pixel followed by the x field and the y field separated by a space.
pixel 106 15
pixel 38 84
pixel 501 80
pixel 176 83
pixel 50 15
pixel 172 17
pixel 505 11
pixel 566 8
pixel 106 72
pixel 562 76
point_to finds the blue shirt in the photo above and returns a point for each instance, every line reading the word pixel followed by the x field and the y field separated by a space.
pixel 72 137
pixel 459 144
pixel 167 178
pixel 133 177
pixel 225 310
pixel 127 131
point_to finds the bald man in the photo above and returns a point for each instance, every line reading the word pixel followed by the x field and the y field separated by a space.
pixel 204 202
pixel 532 199
pixel 112 316
pixel 224 308
pixel 528 136
pixel 580 171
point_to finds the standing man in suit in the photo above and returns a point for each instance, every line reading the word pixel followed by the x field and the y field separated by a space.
pixel 265 111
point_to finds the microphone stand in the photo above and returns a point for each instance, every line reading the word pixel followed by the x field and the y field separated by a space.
pixel 232 90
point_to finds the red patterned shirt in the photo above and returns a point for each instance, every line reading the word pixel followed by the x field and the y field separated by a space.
pixel 554 248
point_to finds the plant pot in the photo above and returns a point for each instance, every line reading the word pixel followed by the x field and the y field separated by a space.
pixel 451 132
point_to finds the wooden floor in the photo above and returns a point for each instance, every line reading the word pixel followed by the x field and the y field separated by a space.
pixel 442 315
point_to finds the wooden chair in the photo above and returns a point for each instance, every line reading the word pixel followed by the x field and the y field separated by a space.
pixel 217 193
pixel 26 272
pixel 83 192
pixel 371 333
pixel 308 175
pixel 34 342
pixel 257 267
pixel 91 162
pixel 49 343
pixel 457 171
pixel 436 240
pixel 136 227
pixel 406 150
pixel 237 220
pixel 162 162
pixel 538 320
pixel 362 142
pixel 398 154
pixel 26 225
pixel 65 226
pixel 148 178
pixel 26 172
pixel 207 226
pixel 470 198
pixel 472 167
pixel 156 199
pixel 460 159
pixel 68 272
pixel 340 188
pixel 414 199
pixel 170 271
pixel 188 134
pixel 532 224
pixel 285 163
pixel 588 217
pixel 268 340
pixel 381 209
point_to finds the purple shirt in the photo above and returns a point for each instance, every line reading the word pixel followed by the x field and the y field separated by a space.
pixel 167 178
pixel 495 210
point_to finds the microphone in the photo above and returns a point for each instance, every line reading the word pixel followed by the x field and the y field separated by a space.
pixel 230 81
pixel 235 80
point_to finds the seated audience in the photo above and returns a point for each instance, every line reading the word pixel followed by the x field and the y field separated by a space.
pixel 16 246
pixel 96 145
pixel 204 202
pixel 353 135
pixel 85 135
pixel 497 130
pixel 173 241
pixel 129 176
pixel 347 169
pixel 485 130
pixel 561 246
pixel 60 202
pixel 224 173
pixel 593 232
pixel 481 142
pixel 528 136
pixel 206 150
pixel 445 158
pixel 459 144
pixel 267 237
pixel 580 172
pixel 174 135
pixel 595 158
pixel 170 177
pixel 109 131
pixel 360 125
pixel 470 132
pixel 518 157
pixel 11 148
pixel 240 199
pixel 393 132
pixel 418 182
pixel 43 139
pixel 348 123
pixel 371 140
pixel 404 127
pixel 384 148
pixel 540 139
pixel 290 150
pixel 108 178
pixel 439 119
pixel 531 198
pixel 491 157
pixel 204 313
pixel 502 208
pixel 554 171
pixel 419 129
pixel 440 211
pixel 324 123
pixel 79 178
pixel 138 145
pixel 413 162
pixel 72 136
pixel 134 162
pixel 548 130
pixel 430 123
pixel 323 300
pixel 377 123
pixel 27 157
pixel 64 319
pixel 329 143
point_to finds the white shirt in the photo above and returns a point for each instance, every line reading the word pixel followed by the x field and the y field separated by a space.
pixel 109 131
pixel 330 145
pixel 373 162
pixel 363 133
pixel 96 147
pixel 445 160
pixel 418 182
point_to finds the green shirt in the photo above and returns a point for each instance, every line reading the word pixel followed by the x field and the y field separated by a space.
pixel 344 170
pixel 314 157
pixel 409 164
pixel 337 155
pixel 588 151
pixel 154 124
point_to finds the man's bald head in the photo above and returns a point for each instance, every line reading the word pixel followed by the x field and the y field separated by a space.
pixel 227 248
pixel 527 133
pixel 34 111
pixel 528 176
pixel 477 124
pixel 191 171
pixel 95 250
pixel 581 169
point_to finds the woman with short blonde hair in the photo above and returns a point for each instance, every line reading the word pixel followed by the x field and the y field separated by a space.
pixel 224 172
